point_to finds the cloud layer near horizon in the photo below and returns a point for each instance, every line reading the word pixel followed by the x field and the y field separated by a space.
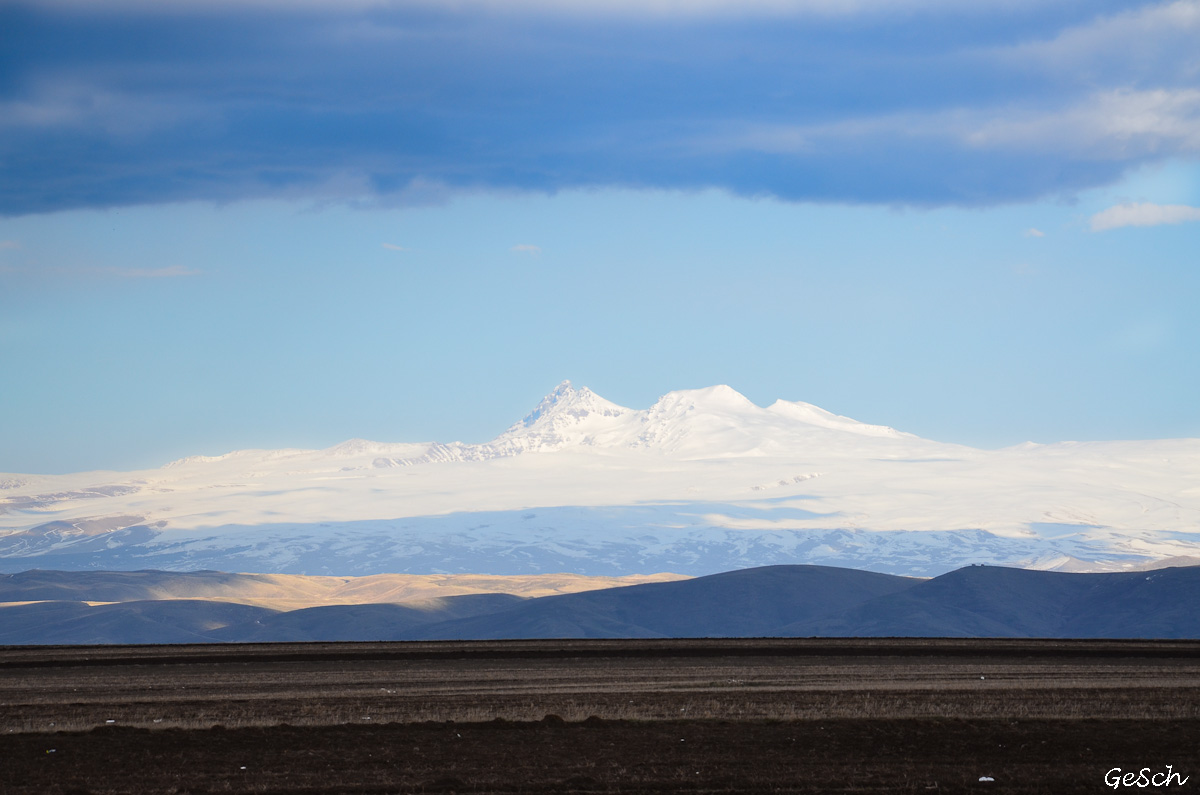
pixel 915 102
pixel 1143 214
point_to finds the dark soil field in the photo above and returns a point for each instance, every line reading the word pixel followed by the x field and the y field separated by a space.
pixel 602 716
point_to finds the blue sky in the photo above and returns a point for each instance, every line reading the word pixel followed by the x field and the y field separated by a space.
pixel 250 224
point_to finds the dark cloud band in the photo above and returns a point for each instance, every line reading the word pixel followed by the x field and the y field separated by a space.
pixel 403 104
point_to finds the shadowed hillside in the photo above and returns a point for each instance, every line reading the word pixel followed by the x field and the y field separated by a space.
pixel 993 601
pixel 163 621
pixel 780 601
pixel 362 622
pixel 745 603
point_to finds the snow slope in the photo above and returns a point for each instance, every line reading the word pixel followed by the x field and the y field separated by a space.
pixel 702 481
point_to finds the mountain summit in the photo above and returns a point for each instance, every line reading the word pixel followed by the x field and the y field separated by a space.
pixel 566 416
pixel 713 422
pixel 568 403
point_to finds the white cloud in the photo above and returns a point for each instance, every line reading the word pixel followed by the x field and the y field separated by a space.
pixel 1034 232
pixel 1146 40
pixel 1108 125
pixel 1112 124
pixel 393 247
pixel 526 248
pixel 9 244
pixel 1143 214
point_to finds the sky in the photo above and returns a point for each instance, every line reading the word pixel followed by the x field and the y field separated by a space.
pixel 253 224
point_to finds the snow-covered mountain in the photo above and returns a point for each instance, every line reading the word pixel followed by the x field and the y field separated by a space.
pixel 702 481
pixel 716 422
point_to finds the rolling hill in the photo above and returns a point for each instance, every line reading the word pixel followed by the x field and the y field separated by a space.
pixel 782 601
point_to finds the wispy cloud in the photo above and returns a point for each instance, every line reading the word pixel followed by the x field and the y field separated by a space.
pixel 1142 41
pixel 1143 335
pixel 605 8
pixel 1108 124
pixel 79 103
pixel 1105 125
pixel 87 273
pixel 1143 214
pixel 1033 231
pixel 9 244
pixel 393 247
pixel 526 248
pixel 169 272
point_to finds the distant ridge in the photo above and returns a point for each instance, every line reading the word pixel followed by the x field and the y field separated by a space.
pixel 773 601
pixel 995 601
pixel 744 603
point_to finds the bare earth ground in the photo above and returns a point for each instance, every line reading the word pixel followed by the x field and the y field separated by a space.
pixel 799 715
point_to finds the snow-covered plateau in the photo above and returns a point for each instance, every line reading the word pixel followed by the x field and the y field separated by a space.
pixel 702 481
